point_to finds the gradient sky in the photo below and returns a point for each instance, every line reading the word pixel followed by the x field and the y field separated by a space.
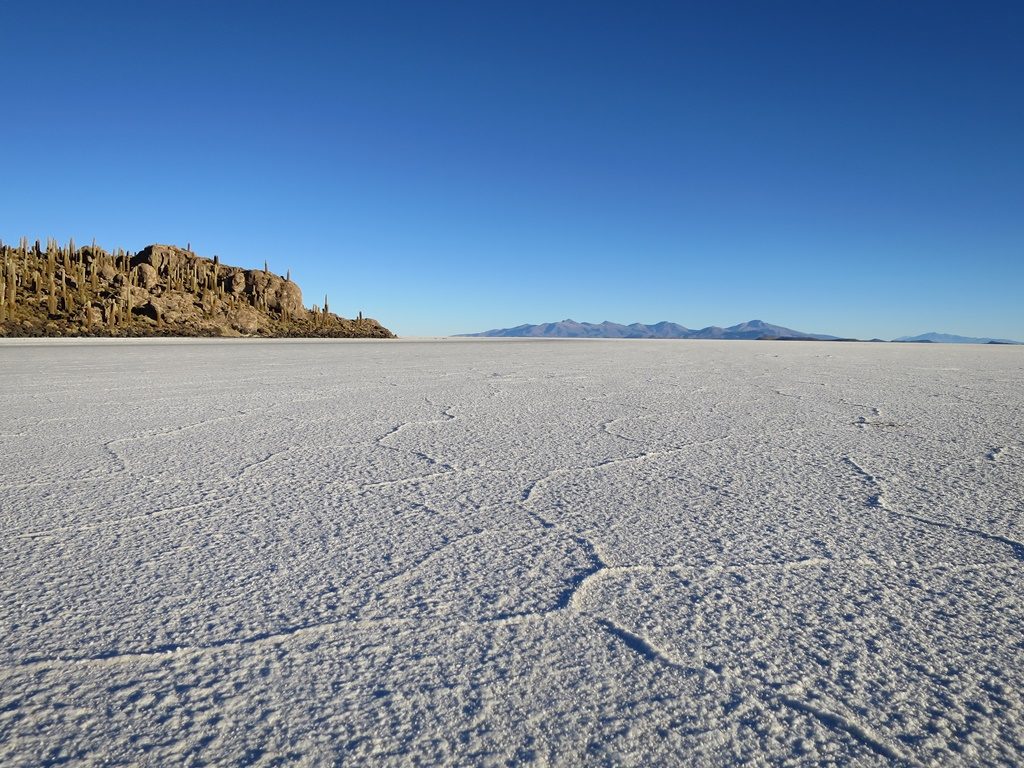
pixel 846 168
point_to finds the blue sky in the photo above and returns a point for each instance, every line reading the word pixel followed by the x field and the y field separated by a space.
pixel 446 167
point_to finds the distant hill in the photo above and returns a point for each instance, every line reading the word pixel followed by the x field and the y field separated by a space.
pixel 162 290
pixel 570 329
pixel 949 338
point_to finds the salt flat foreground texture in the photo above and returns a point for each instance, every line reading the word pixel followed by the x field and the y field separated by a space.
pixel 621 553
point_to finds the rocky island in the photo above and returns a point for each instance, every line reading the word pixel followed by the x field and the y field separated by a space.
pixel 162 290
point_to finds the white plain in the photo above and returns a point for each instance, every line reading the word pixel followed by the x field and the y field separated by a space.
pixel 511 552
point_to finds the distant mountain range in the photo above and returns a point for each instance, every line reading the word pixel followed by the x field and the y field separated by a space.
pixel 753 329
pixel 570 329
pixel 949 338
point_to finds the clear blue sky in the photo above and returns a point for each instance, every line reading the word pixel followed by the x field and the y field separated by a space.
pixel 854 168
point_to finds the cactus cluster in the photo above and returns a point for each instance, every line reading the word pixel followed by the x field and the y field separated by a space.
pixel 78 287
pixel 72 290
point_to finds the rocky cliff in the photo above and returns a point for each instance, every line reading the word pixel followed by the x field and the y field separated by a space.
pixel 162 290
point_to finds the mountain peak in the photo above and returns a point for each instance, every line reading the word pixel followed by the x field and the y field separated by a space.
pixel 951 338
pixel 753 329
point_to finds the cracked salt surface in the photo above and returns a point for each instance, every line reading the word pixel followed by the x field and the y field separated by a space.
pixel 506 552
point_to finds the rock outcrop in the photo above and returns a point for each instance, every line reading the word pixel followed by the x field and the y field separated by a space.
pixel 162 290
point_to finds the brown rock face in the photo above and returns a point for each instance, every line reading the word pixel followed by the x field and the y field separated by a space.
pixel 165 259
pixel 275 293
pixel 161 290
pixel 235 282
pixel 146 276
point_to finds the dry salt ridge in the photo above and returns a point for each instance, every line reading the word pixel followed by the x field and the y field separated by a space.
pixel 510 553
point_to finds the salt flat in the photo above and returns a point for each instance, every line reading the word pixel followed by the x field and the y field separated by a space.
pixel 511 552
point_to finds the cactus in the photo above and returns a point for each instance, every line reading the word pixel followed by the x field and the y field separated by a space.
pixel 12 290
pixel 51 300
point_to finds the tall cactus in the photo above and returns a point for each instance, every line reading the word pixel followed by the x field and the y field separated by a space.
pixel 8 288
pixel 3 296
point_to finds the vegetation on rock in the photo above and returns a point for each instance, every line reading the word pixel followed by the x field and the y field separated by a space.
pixel 162 290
